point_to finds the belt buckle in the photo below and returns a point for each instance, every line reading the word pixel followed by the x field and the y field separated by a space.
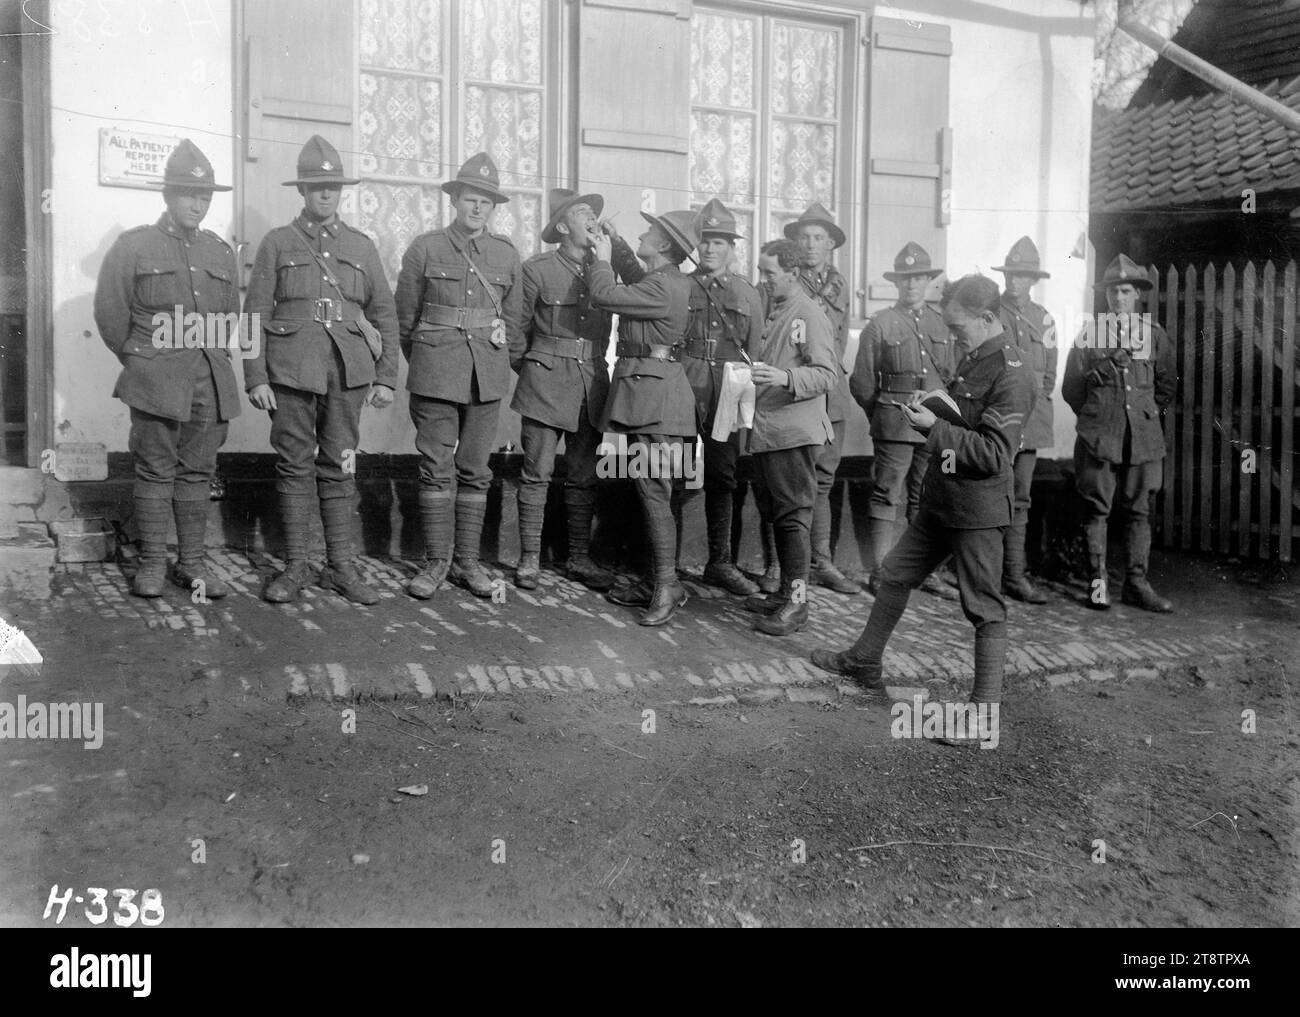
pixel 462 318
pixel 325 310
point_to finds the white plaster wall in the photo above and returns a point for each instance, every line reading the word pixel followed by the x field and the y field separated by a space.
pixel 154 66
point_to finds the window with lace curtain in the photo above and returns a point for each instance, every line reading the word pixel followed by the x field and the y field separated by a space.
pixel 766 118
pixel 439 81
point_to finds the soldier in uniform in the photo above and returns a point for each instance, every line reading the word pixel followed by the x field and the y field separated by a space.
pixel 319 287
pixel 1032 330
pixel 559 354
pixel 904 349
pixel 726 316
pixel 650 399
pixel 795 365
pixel 1117 381
pixel 818 236
pixel 964 511
pixel 459 296
pixel 181 398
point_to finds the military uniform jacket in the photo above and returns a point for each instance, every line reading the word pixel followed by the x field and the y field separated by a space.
pixel 725 310
pixel 969 484
pixel 830 291
pixel 283 291
pixel 646 395
pixel 556 305
pixel 1131 390
pixel 152 270
pixel 796 338
pixel 446 359
pixel 1033 330
pixel 900 353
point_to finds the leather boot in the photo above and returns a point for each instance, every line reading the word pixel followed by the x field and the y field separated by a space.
pixel 790 618
pixel 868 675
pixel 721 571
pixel 792 615
pixel 770 580
pixel 882 542
pixel 436 527
pixel 668 594
pixel 637 593
pixel 151 517
pixel 341 575
pixel 296 512
pixel 532 514
pixel 580 506
pixel 191 527
pixel 466 570
pixel 1015 583
pixel 1137 591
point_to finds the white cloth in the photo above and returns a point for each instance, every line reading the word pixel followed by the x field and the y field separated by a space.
pixel 735 401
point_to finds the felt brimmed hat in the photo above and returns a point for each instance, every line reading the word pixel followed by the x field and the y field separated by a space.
pixel 1124 270
pixel 815 215
pixel 716 220
pixel 319 163
pixel 480 174
pixel 1022 259
pixel 912 260
pixel 188 169
pixel 681 226
pixel 560 200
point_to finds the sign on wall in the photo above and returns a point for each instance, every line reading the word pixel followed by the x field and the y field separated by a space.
pixel 132 159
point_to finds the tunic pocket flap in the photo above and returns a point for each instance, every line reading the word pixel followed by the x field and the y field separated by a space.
pixel 444 271
pixel 154 266
pixel 293 259
pixel 218 272
pixel 283 327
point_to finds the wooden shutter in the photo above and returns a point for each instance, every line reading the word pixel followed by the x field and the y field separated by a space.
pixel 299 79
pixel 634 104
pixel 909 147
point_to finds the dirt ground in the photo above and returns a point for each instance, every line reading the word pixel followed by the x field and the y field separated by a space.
pixel 546 809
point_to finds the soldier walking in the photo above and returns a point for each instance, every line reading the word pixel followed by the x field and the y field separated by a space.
pixel 795 365
pixel 650 399
pixel 1032 330
pixel 181 398
pixel 559 355
pixel 459 296
pixel 319 289
pixel 1117 381
pixel 905 349
pixel 726 316
pixel 963 510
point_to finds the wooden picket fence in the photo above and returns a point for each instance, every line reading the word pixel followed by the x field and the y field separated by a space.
pixel 1230 472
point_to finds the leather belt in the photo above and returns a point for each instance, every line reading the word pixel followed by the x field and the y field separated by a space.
pixel 457 317
pixel 570 348
pixel 707 349
pixel 887 382
pixel 649 350
pixel 324 310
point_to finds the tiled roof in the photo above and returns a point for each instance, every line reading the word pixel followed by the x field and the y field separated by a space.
pixel 1254 40
pixel 1198 149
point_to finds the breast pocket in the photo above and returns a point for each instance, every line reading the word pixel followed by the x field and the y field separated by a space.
pixel 296 276
pixel 219 285
pixel 444 283
pixel 351 274
pixel 561 314
pixel 157 283
pixel 898 355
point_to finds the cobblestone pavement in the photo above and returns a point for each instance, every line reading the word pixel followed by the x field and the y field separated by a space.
pixel 563 639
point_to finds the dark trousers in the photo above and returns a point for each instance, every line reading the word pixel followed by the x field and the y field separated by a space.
pixel 439 426
pixel 315 436
pixel 1098 482
pixel 786 497
pixel 539 443
pixel 898 470
pixel 177 457
pixel 656 496
pixel 828 461
pixel 977 557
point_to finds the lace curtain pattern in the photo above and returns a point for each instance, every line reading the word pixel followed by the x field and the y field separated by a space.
pixel 765 111
pixel 417 122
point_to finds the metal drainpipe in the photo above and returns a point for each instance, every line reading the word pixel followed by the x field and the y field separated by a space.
pixel 1206 71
